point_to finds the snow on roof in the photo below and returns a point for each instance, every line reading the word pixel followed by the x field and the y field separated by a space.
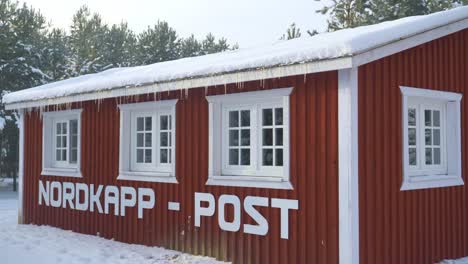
pixel 325 46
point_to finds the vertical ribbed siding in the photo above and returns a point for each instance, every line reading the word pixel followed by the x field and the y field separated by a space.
pixel 419 226
pixel 314 153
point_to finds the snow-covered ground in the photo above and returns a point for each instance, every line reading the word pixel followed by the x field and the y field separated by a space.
pixel 21 244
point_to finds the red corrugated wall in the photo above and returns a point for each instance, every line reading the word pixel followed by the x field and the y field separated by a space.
pixel 314 172
pixel 419 226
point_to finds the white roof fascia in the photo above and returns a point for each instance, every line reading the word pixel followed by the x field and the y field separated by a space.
pixel 408 42
pixel 236 77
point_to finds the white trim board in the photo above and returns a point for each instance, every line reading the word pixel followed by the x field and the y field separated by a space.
pixel 21 168
pixel 348 166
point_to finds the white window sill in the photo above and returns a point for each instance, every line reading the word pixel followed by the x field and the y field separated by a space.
pixel 164 177
pixel 431 181
pixel 63 172
pixel 249 181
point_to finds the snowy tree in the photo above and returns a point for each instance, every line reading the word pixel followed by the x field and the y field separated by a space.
pixel 56 55
pixel 120 43
pixel 190 47
pixel 87 42
pixel 156 44
pixel 210 45
pixel 292 32
pixel 354 13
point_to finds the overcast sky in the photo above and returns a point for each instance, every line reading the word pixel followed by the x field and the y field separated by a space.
pixel 247 22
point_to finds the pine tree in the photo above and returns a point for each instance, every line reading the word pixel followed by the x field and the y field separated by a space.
pixel 292 32
pixel 120 43
pixel 210 45
pixel 156 44
pixel 190 47
pixel 345 14
pixel 87 38
pixel 56 55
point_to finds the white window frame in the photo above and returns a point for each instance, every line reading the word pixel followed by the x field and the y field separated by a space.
pixel 154 172
pixel 50 166
pixel 255 175
pixel 449 173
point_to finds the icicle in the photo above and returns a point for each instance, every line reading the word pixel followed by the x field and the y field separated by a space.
pixel 305 78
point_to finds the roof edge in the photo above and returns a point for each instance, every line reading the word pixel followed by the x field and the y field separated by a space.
pixel 408 42
pixel 204 81
pixel 354 60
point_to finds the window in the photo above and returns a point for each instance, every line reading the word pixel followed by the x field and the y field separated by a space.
pixel 431 139
pixel 249 139
pixel 147 138
pixel 61 143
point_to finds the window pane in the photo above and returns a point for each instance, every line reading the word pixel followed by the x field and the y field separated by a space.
pixel 436 117
pixel 427 117
pixel 64 154
pixel 233 118
pixel 428 156
pixel 267 117
pixel 412 157
pixel 267 157
pixel 64 141
pixel 169 156
pixel 163 158
pixel 412 116
pixel 279 116
pixel 74 126
pixel 64 128
pixel 245 118
pixel 233 137
pixel 169 137
pixel 73 155
pixel 267 137
pixel 164 139
pixel 412 136
pixel 59 128
pixel 148 139
pixel 148 155
pixel 148 123
pixel 437 156
pixel 233 157
pixel 164 122
pixel 436 137
pixel 279 137
pixel 245 137
pixel 140 121
pixel 140 140
pixel 170 127
pixel 58 142
pixel 279 157
pixel 139 155
pixel 245 157
pixel 74 141
pixel 428 136
pixel 58 155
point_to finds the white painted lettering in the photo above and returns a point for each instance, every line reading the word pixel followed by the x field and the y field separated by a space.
pixel 261 228
pixel 285 205
pixel 203 211
pixel 82 188
pixel 68 194
pixel 233 226
pixel 127 202
pixel 94 199
pixel 145 204
pixel 111 196
pixel 55 186
pixel 44 192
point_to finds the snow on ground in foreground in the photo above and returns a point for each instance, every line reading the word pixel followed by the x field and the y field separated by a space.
pixel 458 261
pixel 21 244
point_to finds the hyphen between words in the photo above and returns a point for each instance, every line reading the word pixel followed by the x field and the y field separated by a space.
pixel 84 197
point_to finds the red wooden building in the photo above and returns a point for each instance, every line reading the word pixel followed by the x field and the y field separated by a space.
pixel 346 147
